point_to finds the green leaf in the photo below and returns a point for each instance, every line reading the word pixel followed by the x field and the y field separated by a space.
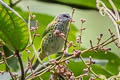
pixel 13 28
pixel 100 70
pixel 12 62
pixel 89 4
pixel 46 76
pixel 101 77
pixel 86 3
pixel 77 68
pixel 114 69
pixel 113 63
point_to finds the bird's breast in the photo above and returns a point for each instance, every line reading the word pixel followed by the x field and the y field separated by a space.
pixel 53 43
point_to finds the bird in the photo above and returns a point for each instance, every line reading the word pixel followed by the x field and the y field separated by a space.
pixel 51 43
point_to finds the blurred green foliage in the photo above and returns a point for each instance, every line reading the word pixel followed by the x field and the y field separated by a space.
pixel 90 3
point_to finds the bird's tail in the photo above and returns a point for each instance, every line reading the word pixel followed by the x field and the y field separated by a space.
pixel 42 56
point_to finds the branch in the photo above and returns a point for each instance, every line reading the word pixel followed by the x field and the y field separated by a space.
pixel 4 59
pixel 43 69
pixel 30 37
pixel 1 61
pixel 21 65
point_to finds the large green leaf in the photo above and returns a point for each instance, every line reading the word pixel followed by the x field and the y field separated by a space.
pixel 13 28
pixel 88 3
pixel 77 68
pixel 84 3
pixel 100 70
pixel 12 62
pixel 113 63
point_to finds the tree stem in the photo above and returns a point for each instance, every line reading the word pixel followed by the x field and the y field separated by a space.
pixel 21 65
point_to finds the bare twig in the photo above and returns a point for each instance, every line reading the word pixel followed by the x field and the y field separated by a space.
pixel 89 68
pixel 30 38
pixel 66 37
pixel 72 56
pixel 115 42
pixel 73 10
pixel 1 61
pixel 99 38
pixel 79 38
pixel 31 62
pixel 4 59
pixel 30 66
pixel 51 66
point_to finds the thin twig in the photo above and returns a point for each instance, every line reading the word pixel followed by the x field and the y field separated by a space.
pixel 110 41
pixel 39 73
pixel 71 56
pixel 80 36
pixel 84 51
pixel 30 38
pixel 26 70
pixel 44 69
pixel 32 41
pixel 69 29
pixel 30 66
pixel 90 69
pixel 1 61
pixel 66 40
pixel 4 59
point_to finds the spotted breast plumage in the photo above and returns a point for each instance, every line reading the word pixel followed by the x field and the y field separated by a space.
pixel 52 43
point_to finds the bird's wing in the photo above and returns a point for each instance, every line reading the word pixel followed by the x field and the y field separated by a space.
pixel 49 28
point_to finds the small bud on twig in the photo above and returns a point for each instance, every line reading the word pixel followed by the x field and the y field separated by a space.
pixel 72 20
pixel 33 16
pixel 83 20
pixel 73 11
pixel 79 39
pixel 57 32
pixel 92 46
pixel 76 53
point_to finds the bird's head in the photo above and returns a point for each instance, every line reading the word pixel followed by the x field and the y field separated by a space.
pixel 65 17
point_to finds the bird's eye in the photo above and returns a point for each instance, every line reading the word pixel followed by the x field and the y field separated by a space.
pixel 66 16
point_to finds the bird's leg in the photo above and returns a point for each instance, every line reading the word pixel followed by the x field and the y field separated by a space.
pixel 48 56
